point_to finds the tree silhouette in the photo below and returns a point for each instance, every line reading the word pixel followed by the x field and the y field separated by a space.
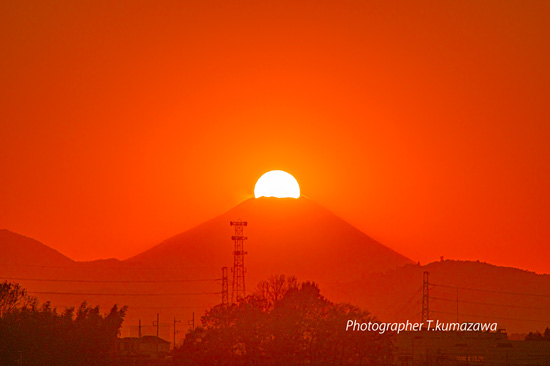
pixel 39 335
pixel 13 296
pixel 538 336
pixel 283 323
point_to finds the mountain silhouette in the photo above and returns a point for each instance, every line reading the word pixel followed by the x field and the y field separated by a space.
pixel 295 236
pixel 285 236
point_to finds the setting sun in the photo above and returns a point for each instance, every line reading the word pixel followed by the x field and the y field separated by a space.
pixel 277 183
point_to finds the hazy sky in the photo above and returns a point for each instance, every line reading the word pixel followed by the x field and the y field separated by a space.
pixel 425 124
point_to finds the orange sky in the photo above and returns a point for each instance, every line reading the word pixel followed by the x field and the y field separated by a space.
pixel 425 124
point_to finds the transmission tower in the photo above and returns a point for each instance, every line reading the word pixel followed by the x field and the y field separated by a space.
pixel 238 288
pixel 426 297
pixel 225 287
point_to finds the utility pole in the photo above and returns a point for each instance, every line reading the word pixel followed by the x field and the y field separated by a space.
pixel 139 329
pixel 457 303
pixel 157 323
pixel 238 285
pixel 175 331
pixel 191 322
pixel 426 297
pixel 225 287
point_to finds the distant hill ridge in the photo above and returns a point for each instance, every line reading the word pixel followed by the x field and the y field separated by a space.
pixel 18 249
pixel 293 237
pixel 518 300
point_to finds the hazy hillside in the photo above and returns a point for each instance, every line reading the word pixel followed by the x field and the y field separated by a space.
pixel 516 299
pixel 18 249
pixel 181 275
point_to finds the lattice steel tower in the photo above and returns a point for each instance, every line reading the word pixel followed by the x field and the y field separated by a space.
pixel 238 287
pixel 426 297
pixel 225 287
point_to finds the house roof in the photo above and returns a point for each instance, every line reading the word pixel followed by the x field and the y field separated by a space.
pixel 153 339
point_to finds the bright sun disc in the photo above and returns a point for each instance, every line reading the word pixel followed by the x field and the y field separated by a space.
pixel 277 183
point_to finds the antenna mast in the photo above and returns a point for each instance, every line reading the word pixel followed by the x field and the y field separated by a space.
pixel 238 285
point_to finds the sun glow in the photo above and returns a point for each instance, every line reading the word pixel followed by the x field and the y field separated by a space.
pixel 277 183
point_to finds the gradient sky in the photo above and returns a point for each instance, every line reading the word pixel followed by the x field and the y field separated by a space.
pixel 424 124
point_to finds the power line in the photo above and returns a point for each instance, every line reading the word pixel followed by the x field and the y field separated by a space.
pixel 169 307
pixel 492 317
pixel 130 307
pixel 109 281
pixel 492 291
pixel 489 303
pixel 405 308
pixel 121 294
pixel 83 265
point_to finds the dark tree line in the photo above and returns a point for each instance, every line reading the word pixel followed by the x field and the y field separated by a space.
pixel 283 323
pixel 34 334
pixel 538 336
